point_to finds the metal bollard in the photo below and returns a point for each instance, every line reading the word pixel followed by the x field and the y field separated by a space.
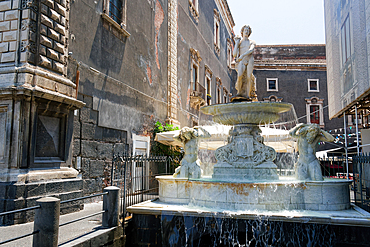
pixel 111 207
pixel 47 222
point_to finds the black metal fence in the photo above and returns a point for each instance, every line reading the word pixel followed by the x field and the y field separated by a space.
pixel 331 167
pixel 335 167
pixel 361 179
pixel 135 176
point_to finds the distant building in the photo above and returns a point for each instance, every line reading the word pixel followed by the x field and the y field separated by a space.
pixel 82 80
pixel 348 42
pixel 295 74
pixel 348 61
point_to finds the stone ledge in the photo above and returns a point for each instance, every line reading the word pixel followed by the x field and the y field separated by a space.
pixel 34 175
pixel 28 90
pixel 343 217
pixel 115 25
pixel 100 237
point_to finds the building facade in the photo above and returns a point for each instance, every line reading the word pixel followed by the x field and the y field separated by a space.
pixel 347 47
pixel 83 80
pixel 348 60
pixel 295 74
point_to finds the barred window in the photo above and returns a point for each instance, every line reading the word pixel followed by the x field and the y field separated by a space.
pixel 115 10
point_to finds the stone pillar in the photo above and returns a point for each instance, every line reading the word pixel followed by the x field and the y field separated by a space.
pixel 111 207
pixel 47 222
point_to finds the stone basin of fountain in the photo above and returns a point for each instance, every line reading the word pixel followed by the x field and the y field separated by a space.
pixel 282 194
pixel 246 112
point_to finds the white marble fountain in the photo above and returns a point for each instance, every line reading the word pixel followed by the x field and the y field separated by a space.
pixel 245 176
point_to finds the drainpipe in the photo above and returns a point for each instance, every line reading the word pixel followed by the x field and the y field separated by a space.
pixel 358 144
pixel 77 79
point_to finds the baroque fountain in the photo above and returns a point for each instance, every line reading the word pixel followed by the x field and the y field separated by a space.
pixel 245 186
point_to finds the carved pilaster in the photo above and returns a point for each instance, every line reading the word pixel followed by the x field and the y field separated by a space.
pixel 172 63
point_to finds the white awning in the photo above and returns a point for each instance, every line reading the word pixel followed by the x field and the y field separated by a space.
pixel 275 138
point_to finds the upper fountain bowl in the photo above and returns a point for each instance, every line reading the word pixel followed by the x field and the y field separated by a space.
pixel 246 112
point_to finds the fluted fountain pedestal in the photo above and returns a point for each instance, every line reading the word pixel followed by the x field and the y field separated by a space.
pixel 246 157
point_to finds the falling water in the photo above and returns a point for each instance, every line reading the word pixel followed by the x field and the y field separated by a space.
pixel 188 230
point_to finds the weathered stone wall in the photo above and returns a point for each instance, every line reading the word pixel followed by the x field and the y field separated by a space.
pixel 198 34
pixel 94 146
pixel 43 44
pixel 123 80
pixel 53 34
pixel 124 75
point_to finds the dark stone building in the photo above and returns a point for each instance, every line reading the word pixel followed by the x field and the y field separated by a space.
pixel 83 80
pixel 295 74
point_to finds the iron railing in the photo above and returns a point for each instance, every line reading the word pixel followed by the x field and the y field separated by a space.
pixel 63 224
pixel 335 167
pixel 135 176
pixel 331 167
pixel 361 180
pixel 18 211
pixel 198 90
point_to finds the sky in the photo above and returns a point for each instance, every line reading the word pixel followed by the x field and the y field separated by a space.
pixel 278 22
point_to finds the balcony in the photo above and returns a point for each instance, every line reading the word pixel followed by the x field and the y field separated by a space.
pixel 197 96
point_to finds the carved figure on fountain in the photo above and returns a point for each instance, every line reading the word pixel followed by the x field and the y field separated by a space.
pixel 190 164
pixel 247 153
pixel 308 136
pixel 245 148
pixel 243 54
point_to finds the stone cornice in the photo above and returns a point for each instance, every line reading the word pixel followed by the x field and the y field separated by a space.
pixel 208 70
pixel 195 55
pixel 259 65
pixel 37 71
pixel 224 10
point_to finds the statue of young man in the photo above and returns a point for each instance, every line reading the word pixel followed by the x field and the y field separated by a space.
pixel 309 135
pixel 243 54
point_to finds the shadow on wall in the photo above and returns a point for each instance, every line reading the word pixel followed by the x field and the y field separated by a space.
pixel 107 50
